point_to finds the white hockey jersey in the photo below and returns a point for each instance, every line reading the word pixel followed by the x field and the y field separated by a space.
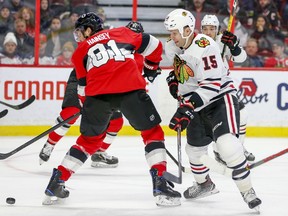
pixel 210 78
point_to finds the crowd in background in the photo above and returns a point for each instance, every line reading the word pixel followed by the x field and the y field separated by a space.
pixel 261 25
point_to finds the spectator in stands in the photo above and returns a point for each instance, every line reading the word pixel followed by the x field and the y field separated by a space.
pixel 199 9
pixel 55 37
pixel 27 14
pixel 101 13
pixel 15 6
pixel 239 30
pixel 67 26
pixel 264 35
pixel 46 15
pixel 58 7
pixel 25 43
pixel 268 9
pixel 279 58
pixel 67 52
pixel 6 22
pixel 45 58
pixel 9 54
pixel 252 60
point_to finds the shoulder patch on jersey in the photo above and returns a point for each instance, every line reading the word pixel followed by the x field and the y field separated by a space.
pixel 202 42
pixel 181 69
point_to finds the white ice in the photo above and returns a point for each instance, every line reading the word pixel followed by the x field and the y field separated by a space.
pixel 127 189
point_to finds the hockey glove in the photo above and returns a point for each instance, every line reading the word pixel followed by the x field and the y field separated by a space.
pixel 151 70
pixel 181 118
pixel 173 84
pixel 230 40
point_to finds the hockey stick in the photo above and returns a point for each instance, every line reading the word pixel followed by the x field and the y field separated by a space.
pixel 3 113
pixel 231 17
pixel 184 169
pixel 221 169
pixel 20 106
pixel 169 176
pixel 6 155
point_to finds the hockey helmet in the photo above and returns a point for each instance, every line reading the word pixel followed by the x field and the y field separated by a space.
pixel 90 20
pixel 135 26
pixel 210 20
pixel 179 19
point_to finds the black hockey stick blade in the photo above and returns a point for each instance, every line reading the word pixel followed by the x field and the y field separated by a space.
pixel 20 106
pixel 6 155
pixel 3 113
pixel 170 177
pixel 258 163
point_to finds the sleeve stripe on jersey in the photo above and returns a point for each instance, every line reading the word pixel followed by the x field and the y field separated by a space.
pixel 145 42
pixel 151 46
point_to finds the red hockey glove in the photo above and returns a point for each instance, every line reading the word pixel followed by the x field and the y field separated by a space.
pixel 173 84
pixel 181 118
pixel 230 40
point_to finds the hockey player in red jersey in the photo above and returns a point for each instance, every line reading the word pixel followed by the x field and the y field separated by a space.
pixel 209 110
pixel 108 80
pixel 71 105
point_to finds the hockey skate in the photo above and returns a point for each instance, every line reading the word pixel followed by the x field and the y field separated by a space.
pixel 55 191
pixel 163 192
pixel 103 160
pixel 249 156
pixel 252 200
pixel 45 153
pixel 197 191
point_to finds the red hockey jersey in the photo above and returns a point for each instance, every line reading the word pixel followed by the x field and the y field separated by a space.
pixel 110 65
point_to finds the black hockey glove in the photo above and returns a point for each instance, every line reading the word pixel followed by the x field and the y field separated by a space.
pixel 181 118
pixel 230 40
pixel 173 84
pixel 151 70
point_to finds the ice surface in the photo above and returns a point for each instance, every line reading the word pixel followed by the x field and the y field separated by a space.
pixel 127 189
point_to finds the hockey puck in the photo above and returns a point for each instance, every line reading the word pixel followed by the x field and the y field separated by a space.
pixel 10 200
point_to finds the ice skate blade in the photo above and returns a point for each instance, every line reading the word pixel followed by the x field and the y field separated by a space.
pixel 215 191
pixel 52 200
pixel 41 161
pixel 103 165
pixel 257 209
pixel 165 201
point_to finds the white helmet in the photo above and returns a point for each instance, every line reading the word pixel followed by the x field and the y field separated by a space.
pixel 178 19
pixel 210 20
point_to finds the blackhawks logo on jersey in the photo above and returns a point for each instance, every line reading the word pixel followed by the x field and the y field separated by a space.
pixel 182 70
pixel 202 42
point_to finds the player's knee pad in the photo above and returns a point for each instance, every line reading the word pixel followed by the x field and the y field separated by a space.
pixel 194 153
pixel 230 150
pixel 154 134
pixel 90 144
pixel 68 112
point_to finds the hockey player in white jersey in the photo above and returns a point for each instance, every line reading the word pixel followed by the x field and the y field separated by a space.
pixel 210 26
pixel 209 102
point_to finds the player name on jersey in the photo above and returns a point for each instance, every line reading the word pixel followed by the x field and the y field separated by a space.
pixel 103 36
